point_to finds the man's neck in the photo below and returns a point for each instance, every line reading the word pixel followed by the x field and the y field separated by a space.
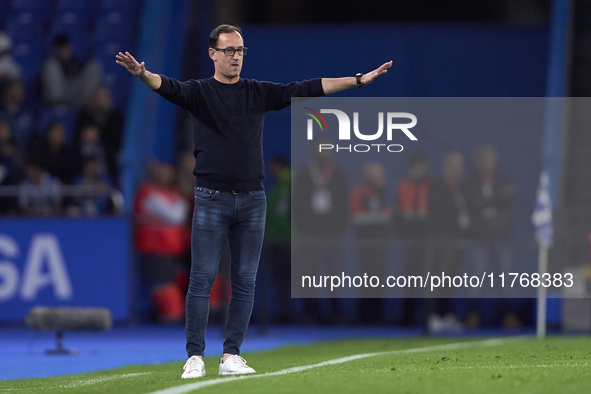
pixel 226 80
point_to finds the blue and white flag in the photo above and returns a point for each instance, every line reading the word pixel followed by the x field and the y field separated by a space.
pixel 542 216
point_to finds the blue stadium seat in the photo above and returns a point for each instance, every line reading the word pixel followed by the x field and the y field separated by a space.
pixel 112 27
pixel 119 83
pixel 39 8
pixel 28 56
pixel 4 13
pixel 125 6
pixel 25 27
pixel 84 8
pixel 106 56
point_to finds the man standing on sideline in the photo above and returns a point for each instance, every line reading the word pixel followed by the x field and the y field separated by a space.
pixel 230 201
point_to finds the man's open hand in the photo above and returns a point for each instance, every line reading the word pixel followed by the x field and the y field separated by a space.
pixel 132 65
pixel 370 76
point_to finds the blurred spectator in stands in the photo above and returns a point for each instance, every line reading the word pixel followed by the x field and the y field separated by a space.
pixel 321 215
pixel 55 155
pixel 22 120
pixel 101 113
pixel 40 193
pixel 489 197
pixel 162 238
pixel 8 146
pixel 90 145
pixel 66 80
pixel 9 69
pixel 278 236
pixel 411 226
pixel 371 215
pixel 449 222
pixel 98 184
pixel 9 168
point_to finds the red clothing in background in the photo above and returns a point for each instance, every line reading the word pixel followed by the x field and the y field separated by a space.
pixel 161 221
pixel 413 196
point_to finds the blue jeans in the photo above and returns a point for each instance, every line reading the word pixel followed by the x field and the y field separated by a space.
pixel 221 216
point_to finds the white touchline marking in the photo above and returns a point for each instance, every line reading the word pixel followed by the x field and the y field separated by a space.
pixel 185 388
pixel 81 383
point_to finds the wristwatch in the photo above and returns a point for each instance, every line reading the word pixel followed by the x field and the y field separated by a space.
pixel 358 77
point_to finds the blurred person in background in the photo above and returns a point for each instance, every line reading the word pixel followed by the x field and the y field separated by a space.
pixel 411 222
pixel 9 148
pixel 55 154
pixel 40 193
pixel 66 80
pixel 489 197
pixel 95 179
pixel 90 145
pixel 10 70
pixel 321 214
pixel 278 235
pixel 22 119
pixel 228 114
pixel 101 113
pixel 370 215
pixel 449 222
pixel 10 161
pixel 162 238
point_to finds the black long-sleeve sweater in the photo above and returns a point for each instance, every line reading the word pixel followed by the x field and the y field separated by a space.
pixel 228 125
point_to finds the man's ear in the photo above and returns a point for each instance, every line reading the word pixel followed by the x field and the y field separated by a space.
pixel 212 53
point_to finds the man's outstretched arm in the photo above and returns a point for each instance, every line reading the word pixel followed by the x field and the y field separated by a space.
pixel 153 81
pixel 334 85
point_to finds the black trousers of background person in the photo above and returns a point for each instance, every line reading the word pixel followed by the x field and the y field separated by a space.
pixel 414 254
pixel 372 260
pixel 278 263
pixel 322 260
pixel 157 273
pixel 444 254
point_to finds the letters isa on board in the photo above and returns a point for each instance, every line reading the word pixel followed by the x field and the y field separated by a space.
pixel 64 262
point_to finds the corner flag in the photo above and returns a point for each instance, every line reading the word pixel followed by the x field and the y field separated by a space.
pixel 542 216
pixel 542 220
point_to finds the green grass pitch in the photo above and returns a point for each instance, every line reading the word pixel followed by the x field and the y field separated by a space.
pixel 419 365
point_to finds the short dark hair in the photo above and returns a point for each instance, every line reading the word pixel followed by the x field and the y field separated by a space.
pixel 215 34
pixel 61 40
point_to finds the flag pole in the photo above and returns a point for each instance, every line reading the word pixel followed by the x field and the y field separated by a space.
pixel 542 220
pixel 542 269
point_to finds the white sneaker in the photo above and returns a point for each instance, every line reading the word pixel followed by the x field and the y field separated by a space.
pixel 435 324
pixel 234 365
pixel 194 368
pixel 452 323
